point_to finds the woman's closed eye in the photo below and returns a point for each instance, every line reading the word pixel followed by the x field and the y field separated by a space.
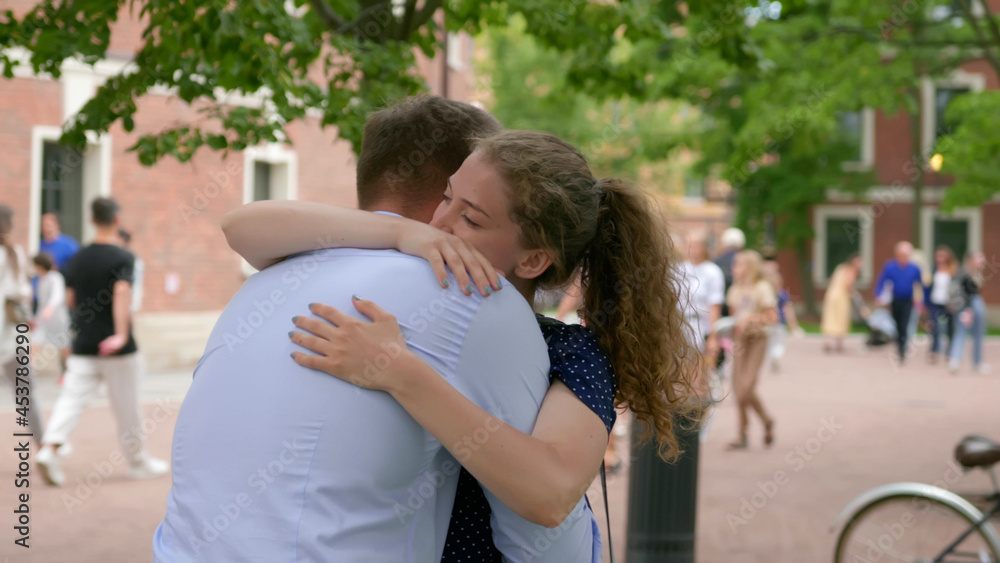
pixel 470 221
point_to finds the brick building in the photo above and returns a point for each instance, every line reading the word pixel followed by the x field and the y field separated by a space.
pixel 872 225
pixel 172 209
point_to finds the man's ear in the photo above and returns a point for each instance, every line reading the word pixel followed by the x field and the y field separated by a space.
pixel 533 263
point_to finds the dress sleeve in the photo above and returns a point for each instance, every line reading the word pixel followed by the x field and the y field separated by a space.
pixel 577 361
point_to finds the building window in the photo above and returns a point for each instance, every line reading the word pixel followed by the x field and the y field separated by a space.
pixel 953 233
pixel 857 128
pixel 64 181
pixel 261 181
pixel 842 230
pixel 62 186
pixel 961 231
pixel 943 97
pixel 850 125
pixel 935 99
pixel 842 240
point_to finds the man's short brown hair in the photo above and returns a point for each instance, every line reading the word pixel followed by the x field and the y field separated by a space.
pixel 409 150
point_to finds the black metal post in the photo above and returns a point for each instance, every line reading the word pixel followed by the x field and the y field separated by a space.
pixel 661 502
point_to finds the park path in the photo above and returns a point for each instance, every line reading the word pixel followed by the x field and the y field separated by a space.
pixel 844 424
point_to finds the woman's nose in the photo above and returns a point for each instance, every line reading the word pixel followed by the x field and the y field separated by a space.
pixel 442 223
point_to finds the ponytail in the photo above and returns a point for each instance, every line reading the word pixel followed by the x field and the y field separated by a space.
pixel 631 293
pixel 611 233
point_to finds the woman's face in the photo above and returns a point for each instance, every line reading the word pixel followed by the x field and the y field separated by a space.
pixel 476 208
pixel 940 257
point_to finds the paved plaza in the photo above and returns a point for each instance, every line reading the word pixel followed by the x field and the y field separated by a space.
pixel 845 423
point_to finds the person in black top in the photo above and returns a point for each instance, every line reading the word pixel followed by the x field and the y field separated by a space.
pixel 99 295
pixel 969 312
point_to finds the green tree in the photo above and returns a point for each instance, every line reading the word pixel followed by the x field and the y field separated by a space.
pixel 531 90
pixel 338 58
pixel 771 129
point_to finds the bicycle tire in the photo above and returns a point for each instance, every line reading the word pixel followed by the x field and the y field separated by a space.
pixel 886 546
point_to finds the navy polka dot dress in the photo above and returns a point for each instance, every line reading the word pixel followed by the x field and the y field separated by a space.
pixel 577 361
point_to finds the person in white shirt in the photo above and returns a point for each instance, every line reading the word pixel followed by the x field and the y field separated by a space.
pixel 707 292
pixel 52 326
pixel 15 291
pixel 945 267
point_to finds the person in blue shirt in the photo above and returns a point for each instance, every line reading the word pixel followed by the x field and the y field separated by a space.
pixel 903 275
pixel 59 245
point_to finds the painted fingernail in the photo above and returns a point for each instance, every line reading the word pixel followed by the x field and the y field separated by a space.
pixel 311 305
pixel 291 334
pixel 295 319
pixel 445 282
pixel 487 290
pixel 292 355
pixel 499 284
pixel 469 288
pixel 356 298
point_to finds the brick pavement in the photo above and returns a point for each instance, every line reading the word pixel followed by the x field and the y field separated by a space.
pixel 896 425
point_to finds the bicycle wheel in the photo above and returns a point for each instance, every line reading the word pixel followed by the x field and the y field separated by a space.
pixel 912 529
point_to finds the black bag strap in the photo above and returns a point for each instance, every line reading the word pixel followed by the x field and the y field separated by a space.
pixel 607 513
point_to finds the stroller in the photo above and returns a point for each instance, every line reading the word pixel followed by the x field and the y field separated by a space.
pixel 881 326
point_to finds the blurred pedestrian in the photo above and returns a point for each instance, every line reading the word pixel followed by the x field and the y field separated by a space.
pixel 56 243
pixel 52 321
pixel 936 300
pixel 16 290
pixel 753 304
pixel 788 321
pixel 903 275
pixel 706 292
pixel 836 319
pixel 970 313
pixel 733 240
pixel 103 349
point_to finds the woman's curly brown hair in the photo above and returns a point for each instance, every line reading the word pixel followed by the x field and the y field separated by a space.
pixel 613 235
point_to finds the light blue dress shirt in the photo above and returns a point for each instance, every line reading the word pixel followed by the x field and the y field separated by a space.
pixel 273 462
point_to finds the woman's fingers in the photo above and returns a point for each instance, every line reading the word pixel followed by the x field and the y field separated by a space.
pixel 454 261
pixel 491 273
pixel 474 266
pixel 312 343
pixel 331 314
pixel 318 327
pixel 371 310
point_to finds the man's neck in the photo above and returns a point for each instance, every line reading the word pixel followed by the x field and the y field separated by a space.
pixel 106 236
pixel 52 239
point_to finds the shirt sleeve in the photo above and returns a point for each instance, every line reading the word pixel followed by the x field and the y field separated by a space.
pixel 577 361
pixel 125 271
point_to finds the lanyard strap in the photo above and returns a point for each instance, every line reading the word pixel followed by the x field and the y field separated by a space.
pixel 607 513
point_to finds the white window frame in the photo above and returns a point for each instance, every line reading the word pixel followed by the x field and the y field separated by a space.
pixel 456 51
pixel 974 81
pixel 974 215
pixel 867 161
pixel 284 177
pixel 866 221
pixel 96 179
